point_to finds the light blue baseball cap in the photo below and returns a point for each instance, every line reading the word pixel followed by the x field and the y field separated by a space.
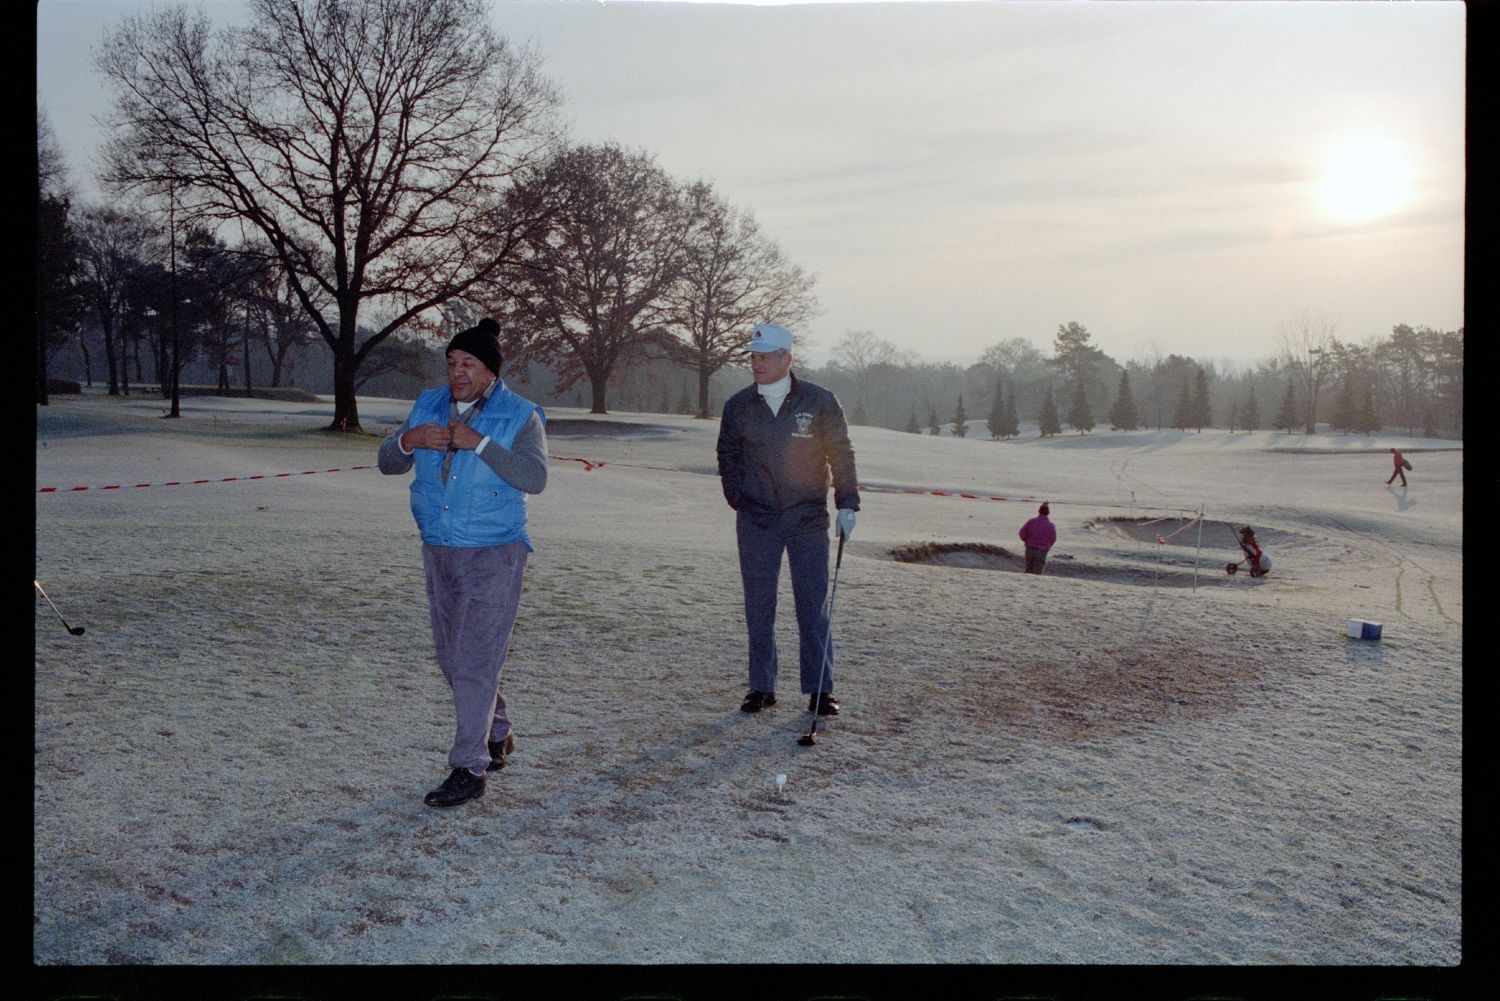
pixel 770 337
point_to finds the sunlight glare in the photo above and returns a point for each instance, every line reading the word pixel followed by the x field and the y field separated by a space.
pixel 1364 178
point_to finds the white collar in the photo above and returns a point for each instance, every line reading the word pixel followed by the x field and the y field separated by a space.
pixel 780 387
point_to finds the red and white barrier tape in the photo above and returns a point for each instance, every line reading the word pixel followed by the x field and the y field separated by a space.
pixel 193 483
pixel 589 465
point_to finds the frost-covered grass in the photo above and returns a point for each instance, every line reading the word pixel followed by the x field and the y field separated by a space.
pixel 1087 767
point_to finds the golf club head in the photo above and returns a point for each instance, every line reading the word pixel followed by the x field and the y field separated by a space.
pixel 76 630
pixel 808 739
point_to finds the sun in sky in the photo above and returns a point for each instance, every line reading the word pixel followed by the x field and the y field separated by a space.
pixel 1364 178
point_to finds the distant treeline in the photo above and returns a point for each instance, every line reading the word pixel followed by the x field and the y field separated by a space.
pixel 1410 382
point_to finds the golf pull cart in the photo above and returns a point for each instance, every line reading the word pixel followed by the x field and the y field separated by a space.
pixel 1260 563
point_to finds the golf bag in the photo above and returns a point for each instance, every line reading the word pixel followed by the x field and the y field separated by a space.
pixel 1260 563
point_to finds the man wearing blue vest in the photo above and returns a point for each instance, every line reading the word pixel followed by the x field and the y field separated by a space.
pixel 478 450
pixel 781 440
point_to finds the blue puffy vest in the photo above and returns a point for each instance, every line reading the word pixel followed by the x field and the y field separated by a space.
pixel 475 507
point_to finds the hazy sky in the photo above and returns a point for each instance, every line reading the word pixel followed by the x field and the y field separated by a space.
pixel 1184 175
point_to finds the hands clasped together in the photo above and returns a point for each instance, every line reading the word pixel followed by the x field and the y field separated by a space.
pixel 441 438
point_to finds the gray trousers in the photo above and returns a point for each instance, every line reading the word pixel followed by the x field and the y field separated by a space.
pixel 760 570
pixel 474 595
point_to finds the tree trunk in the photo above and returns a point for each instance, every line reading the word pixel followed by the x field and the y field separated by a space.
pixel 597 387
pixel 135 351
pixel 345 404
pixel 109 355
pixel 703 377
pixel 164 369
pixel 249 391
pixel 125 362
pixel 174 390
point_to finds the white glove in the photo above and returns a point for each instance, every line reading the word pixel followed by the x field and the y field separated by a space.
pixel 846 522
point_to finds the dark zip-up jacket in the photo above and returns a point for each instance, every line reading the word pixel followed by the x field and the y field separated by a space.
pixel 775 468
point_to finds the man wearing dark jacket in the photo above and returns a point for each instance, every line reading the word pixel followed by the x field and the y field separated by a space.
pixel 779 440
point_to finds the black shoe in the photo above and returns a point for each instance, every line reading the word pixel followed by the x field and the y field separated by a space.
pixel 829 707
pixel 459 787
pixel 500 750
pixel 757 700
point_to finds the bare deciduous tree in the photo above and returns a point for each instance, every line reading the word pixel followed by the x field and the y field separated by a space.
pixel 1024 368
pixel 732 278
pixel 112 243
pixel 374 145
pixel 58 298
pixel 594 293
pixel 1150 361
pixel 863 353
pixel 1305 343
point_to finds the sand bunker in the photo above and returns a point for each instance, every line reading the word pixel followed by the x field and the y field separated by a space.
pixel 970 555
pixel 981 556
pixel 1216 535
pixel 1152 565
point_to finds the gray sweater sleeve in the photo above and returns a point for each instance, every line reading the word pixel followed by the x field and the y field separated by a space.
pixel 391 459
pixel 523 465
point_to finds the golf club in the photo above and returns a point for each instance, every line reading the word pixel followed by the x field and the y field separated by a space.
pixel 811 737
pixel 75 630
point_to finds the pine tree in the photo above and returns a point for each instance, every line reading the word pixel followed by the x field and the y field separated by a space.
pixel 1252 410
pixel 997 411
pixel 911 426
pixel 1048 419
pixel 1203 412
pixel 1012 426
pixel 1182 415
pixel 1079 415
pixel 1123 415
pixel 960 419
pixel 1290 415
pixel 932 423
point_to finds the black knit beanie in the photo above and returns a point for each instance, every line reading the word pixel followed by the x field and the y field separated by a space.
pixel 482 341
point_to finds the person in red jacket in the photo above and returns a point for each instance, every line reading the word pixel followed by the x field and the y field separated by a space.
pixel 1039 535
pixel 1401 467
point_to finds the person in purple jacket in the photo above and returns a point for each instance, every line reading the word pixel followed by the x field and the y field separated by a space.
pixel 1038 534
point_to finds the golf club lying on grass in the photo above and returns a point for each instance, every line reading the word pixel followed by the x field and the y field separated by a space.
pixel 811 737
pixel 75 630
